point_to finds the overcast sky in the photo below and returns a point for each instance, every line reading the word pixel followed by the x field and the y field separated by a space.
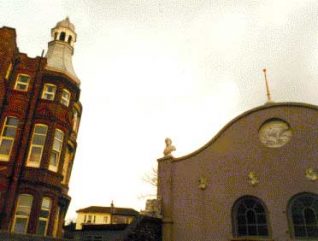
pixel 152 69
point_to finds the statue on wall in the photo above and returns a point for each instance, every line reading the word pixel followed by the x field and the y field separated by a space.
pixel 311 174
pixel 253 178
pixel 203 183
pixel 169 147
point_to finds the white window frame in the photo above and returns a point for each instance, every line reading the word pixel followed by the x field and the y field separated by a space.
pixel 45 219
pixel 27 217
pixel 65 100
pixel 4 157
pixel 37 163
pixel 24 86
pixel 46 92
pixel 57 151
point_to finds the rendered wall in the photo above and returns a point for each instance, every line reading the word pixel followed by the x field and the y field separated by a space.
pixel 225 162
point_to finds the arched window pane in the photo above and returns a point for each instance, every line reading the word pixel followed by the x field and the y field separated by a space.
pixel 241 209
pixel 310 217
pixel 259 209
pixel 303 211
pixel 252 230
pixel 250 218
pixel 261 218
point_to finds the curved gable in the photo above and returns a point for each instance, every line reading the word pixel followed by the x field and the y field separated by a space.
pixel 257 116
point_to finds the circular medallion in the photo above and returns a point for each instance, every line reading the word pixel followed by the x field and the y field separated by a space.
pixel 275 133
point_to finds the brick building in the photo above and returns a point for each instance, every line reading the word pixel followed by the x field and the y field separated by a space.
pixel 39 120
pixel 255 180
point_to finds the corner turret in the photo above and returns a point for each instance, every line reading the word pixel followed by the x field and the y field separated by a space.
pixel 61 48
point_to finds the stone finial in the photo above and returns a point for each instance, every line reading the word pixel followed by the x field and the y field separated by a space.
pixel 311 174
pixel 253 178
pixel 169 147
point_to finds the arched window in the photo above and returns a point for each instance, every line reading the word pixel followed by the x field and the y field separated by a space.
pixel 62 36
pixel 249 217
pixel 44 216
pixel 22 213
pixel 303 213
pixel 55 36
pixel 69 39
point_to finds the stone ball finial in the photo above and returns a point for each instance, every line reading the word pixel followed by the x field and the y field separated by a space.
pixel 169 147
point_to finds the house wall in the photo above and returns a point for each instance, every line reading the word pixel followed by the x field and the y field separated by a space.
pixel 192 214
pixel 101 218
pixel 96 218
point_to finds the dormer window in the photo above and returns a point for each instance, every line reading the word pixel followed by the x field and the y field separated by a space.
pixel 65 97
pixel 48 92
pixel 62 36
pixel 22 82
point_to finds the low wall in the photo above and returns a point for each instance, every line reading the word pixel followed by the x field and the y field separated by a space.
pixel 6 236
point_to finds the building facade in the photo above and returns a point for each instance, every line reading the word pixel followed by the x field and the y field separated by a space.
pixel 97 215
pixel 255 180
pixel 39 121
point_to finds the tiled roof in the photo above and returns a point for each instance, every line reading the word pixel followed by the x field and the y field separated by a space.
pixel 116 210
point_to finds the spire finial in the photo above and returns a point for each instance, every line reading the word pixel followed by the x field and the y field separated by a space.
pixel 269 99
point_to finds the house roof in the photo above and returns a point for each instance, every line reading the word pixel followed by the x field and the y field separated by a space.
pixel 114 210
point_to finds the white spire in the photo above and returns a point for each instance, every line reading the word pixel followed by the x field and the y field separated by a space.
pixel 60 49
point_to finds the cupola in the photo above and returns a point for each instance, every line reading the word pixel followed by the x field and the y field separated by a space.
pixel 61 48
